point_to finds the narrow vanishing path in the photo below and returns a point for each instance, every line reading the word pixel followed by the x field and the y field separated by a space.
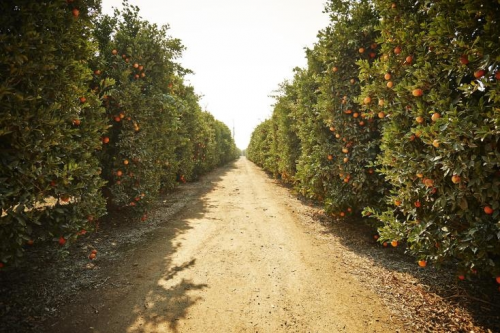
pixel 234 260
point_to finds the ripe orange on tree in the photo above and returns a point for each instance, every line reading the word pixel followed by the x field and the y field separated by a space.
pixel 417 92
pixel 479 74
pixel 488 210
pixel 394 243
pixel 422 263
pixel 435 116
pixel 75 12
pixel 455 179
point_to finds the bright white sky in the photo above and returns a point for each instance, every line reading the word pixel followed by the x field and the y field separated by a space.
pixel 239 50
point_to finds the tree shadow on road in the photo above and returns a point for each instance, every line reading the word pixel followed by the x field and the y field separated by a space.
pixel 72 294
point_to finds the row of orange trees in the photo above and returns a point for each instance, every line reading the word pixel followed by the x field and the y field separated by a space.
pixel 397 117
pixel 94 115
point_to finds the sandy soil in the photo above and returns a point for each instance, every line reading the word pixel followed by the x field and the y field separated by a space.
pixel 236 259
pixel 238 252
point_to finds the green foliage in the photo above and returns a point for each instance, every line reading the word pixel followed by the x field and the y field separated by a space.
pixel 50 125
pixel 444 169
pixel 397 114
pixel 92 105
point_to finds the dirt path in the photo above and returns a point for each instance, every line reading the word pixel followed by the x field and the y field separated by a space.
pixel 236 260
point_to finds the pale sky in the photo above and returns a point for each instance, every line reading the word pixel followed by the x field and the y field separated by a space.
pixel 239 50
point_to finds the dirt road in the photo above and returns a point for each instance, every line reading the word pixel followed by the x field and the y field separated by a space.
pixel 235 260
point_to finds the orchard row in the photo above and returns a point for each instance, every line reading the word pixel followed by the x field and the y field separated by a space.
pixel 95 116
pixel 397 118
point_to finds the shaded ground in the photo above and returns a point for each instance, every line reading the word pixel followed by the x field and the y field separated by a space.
pixel 237 253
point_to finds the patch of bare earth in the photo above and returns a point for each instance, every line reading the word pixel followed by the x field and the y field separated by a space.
pixel 237 252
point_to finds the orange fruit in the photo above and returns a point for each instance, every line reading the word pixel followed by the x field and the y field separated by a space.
pixel 30 242
pixel 390 84
pixel 114 52
pixel 367 100
pixel 361 50
pixel 373 46
pixel 461 277
pixel 76 122
pixel 435 116
pixel 355 115
pixel 97 72
pixel 83 99
pixel 330 157
pixel 375 237
pixel 345 150
pixel 381 102
pixel 479 74
pixel 92 256
pixel 346 159
pixel 435 143
pixel 75 12
pixel 384 244
pixel 125 162
pixel 417 92
pixel 497 75
pixel 105 139
pixel 381 115
pixel 422 263
pixel 498 279
pixel 409 59
pixel 387 76
pixel 419 119
pixel 455 179
pixel 394 243
pixel 488 210
pixel 397 203
pixel 397 50
pixel 418 204
pixel 464 60
pixel 428 182
pixel 334 69
pixel 62 241
pixel 119 173
pixel 332 129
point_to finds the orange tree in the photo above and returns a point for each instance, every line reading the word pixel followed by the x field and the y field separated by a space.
pixel 259 149
pixel 50 124
pixel 286 144
pixel 137 81
pixel 440 82
pixel 349 126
